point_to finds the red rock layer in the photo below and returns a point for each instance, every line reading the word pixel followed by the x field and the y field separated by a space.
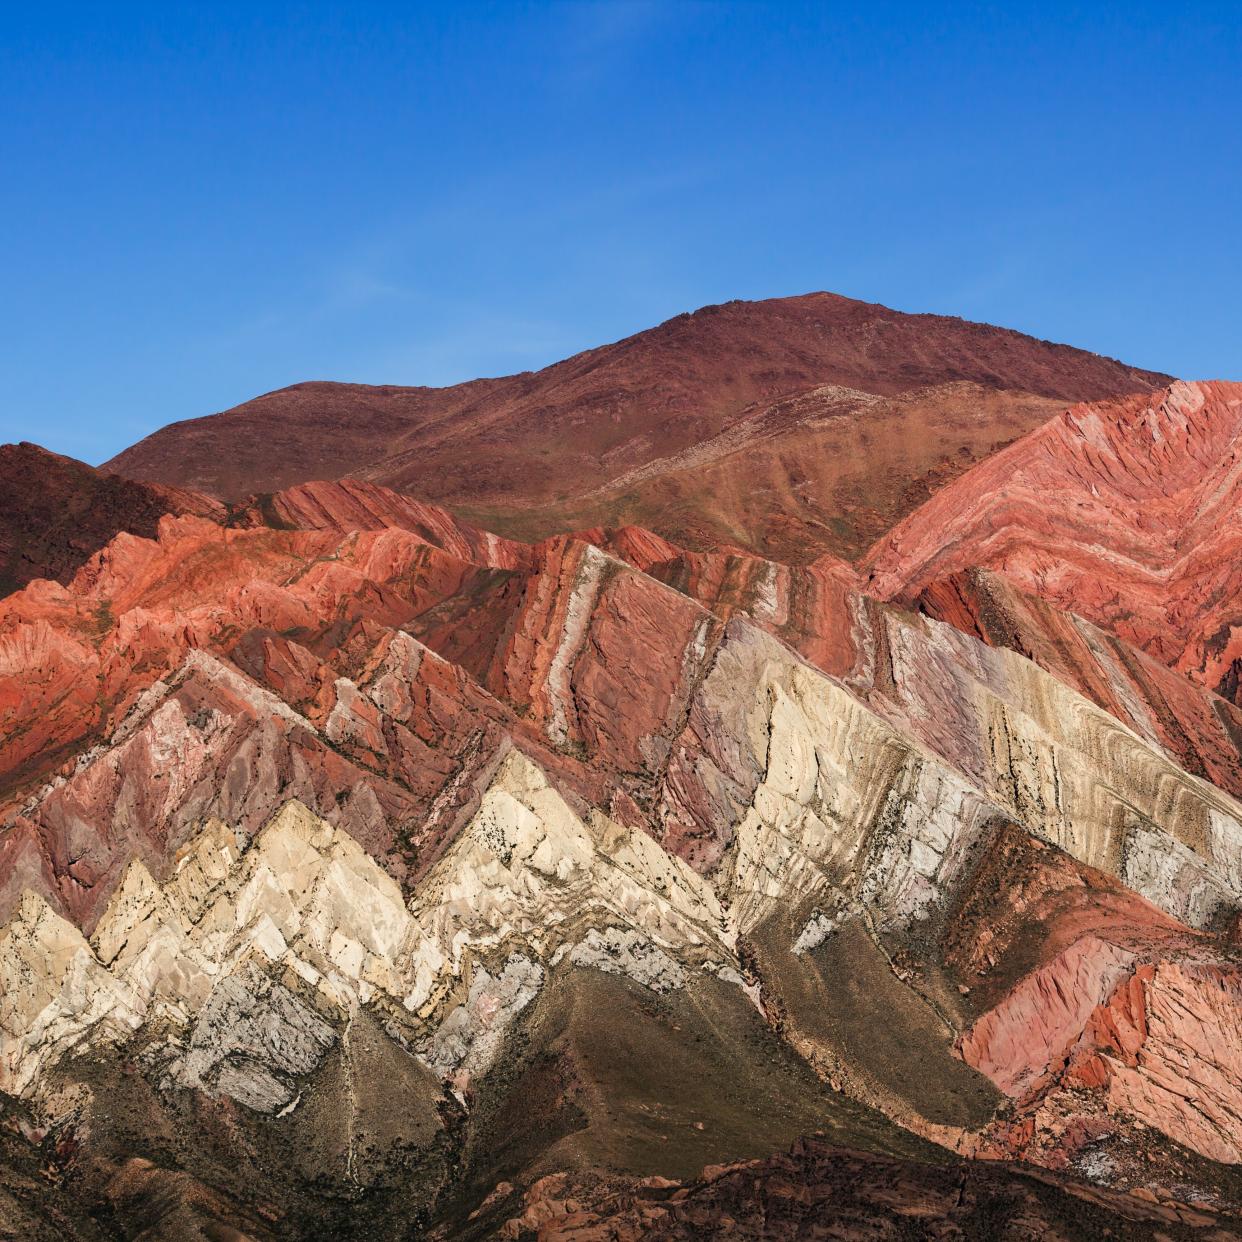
pixel 1163 1047
pixel 72 659
pixel 808 606
pixel 281 669
pixel 1126 512
pixel 351 505
pixel 208 739
pixel 1113 1021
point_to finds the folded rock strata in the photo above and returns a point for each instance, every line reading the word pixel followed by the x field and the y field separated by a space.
pixel 1124 512
pixel 336 779
pixel 304 903
pixel 1200 730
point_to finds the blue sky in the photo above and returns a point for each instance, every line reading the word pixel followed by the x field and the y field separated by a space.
pixel 200 203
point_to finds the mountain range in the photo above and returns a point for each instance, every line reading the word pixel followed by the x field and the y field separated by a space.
pixel 776 776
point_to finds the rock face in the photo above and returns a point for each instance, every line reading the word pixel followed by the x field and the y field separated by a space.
pixel 525 884
pixel 352 505
pixel 364 873
pixel 1196 727
pixel 1114 1020
pixel 279 785
pixel 1124 512
pixel 752 422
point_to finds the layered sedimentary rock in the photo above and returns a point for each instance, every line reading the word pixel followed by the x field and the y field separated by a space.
pixel 1124 512
pixel 1125 1012
pixel 134 610
pixel 439 873
pixel 1023 737
pixel 216 946
pixel 352 505
pixel 1198 728
pixel 594 772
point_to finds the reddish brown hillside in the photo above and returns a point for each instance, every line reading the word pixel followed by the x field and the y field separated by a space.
pixel 529 454
pixel 825 470
pixel 55 512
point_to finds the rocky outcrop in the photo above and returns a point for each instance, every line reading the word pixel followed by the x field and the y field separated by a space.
pixel 352 504
pixel 1163 1050
pixel 1198 729
pixel 525 884
pixel 56 992
pixel 1030 746
pixel 817 1190
pixel 1124 512
pixel 1094 1008
pixel 205 742
pixel 74 659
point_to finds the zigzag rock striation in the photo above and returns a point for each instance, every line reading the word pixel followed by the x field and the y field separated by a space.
pixel 367 874
pixel 376 787
pixel 1125 512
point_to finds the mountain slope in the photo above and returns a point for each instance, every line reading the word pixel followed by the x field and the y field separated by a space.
pixel 826 470
pixel 365 873
pixel 55 512
pixel 292 807
pixel 1126 512
pixel 523 454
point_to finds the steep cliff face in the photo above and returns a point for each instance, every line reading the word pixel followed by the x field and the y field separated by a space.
pixel 1112 1020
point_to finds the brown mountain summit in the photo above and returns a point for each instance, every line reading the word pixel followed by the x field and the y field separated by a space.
pixel 863 408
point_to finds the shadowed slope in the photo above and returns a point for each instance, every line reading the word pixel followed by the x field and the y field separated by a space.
pixel 55 512
pixel 817 1190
